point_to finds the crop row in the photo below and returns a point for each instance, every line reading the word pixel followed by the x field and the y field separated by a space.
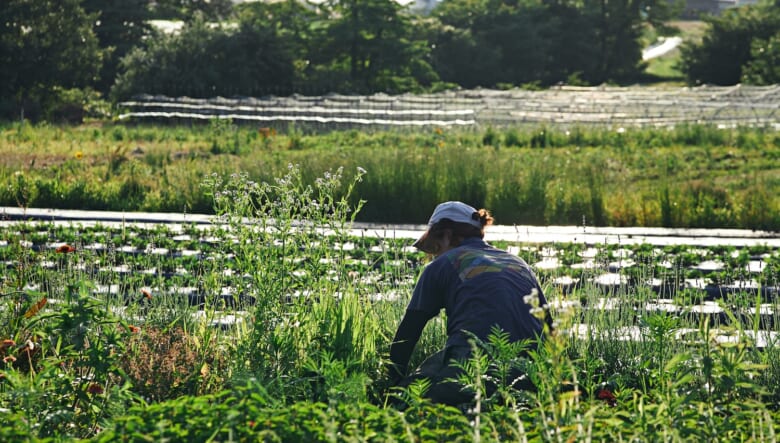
pixel 100 332
pixel 195 266
pixel 165 252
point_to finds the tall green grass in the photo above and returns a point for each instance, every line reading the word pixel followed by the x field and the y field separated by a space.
pixel 688 176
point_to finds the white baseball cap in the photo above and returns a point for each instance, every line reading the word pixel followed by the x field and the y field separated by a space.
pixel 456 211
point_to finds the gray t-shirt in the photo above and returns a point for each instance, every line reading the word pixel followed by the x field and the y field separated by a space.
pixel 479 286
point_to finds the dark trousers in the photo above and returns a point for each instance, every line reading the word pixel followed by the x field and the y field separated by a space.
pixel 440 369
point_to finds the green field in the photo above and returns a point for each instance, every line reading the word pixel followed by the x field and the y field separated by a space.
pixel 125 333
pixel 689 176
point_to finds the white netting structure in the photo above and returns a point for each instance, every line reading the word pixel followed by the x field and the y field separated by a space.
pixel 565 105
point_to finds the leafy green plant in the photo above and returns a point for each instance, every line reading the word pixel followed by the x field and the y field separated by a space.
pixel 116 352
pixel 65 379
pixel 271 222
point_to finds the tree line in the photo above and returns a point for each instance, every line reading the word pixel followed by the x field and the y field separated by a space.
pixel 56 55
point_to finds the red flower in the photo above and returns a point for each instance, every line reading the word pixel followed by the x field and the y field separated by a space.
pixel 64 249
pixel 7 343
pixel 607 396
pixel 147 295
pixel 95 388
pixel 134 329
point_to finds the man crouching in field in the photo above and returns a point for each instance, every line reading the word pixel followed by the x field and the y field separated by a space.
pixel 479 287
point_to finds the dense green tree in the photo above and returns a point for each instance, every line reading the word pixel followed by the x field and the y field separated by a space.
pixel 519 28
pixel 120 25
pixel 488 42
pixel 460 58
pixel 726 47
pixel 617 27
pixel 293 22
pixel 571 55
pixel 368 46
pixel 44 45
pixel 764 67
pixel 203 61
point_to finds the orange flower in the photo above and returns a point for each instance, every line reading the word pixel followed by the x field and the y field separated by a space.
pixel 7 343
pixel 64 249
pixel 267 132
pixel 95 388
pixel 35 308
pixel 147 295
pixel 9 359
pixel 134 329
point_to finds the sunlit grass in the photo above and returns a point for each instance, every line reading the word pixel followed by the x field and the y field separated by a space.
pixel 691 175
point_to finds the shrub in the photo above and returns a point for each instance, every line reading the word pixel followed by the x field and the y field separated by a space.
pixel 163 364
pixel 724 55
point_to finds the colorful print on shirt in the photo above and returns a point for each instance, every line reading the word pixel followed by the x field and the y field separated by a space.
pixel 472 263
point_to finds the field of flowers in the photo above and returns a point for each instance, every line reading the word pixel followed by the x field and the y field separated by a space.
pixel 273 324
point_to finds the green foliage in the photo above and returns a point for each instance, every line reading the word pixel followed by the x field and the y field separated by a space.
pixel 119 26
pixel 764 66
pixel 296 25
pixel 305 364
pixel 368 46
pixel 489 43
pixel 272 221
pixel 498 371
pixel 188 10
pixel 49 44
pixel 248 413
pixel 204 61
pixel 349 46
pixel 225 138
pixel 63 378
pixel 484 43
pixel 693 175
pixel 724 56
